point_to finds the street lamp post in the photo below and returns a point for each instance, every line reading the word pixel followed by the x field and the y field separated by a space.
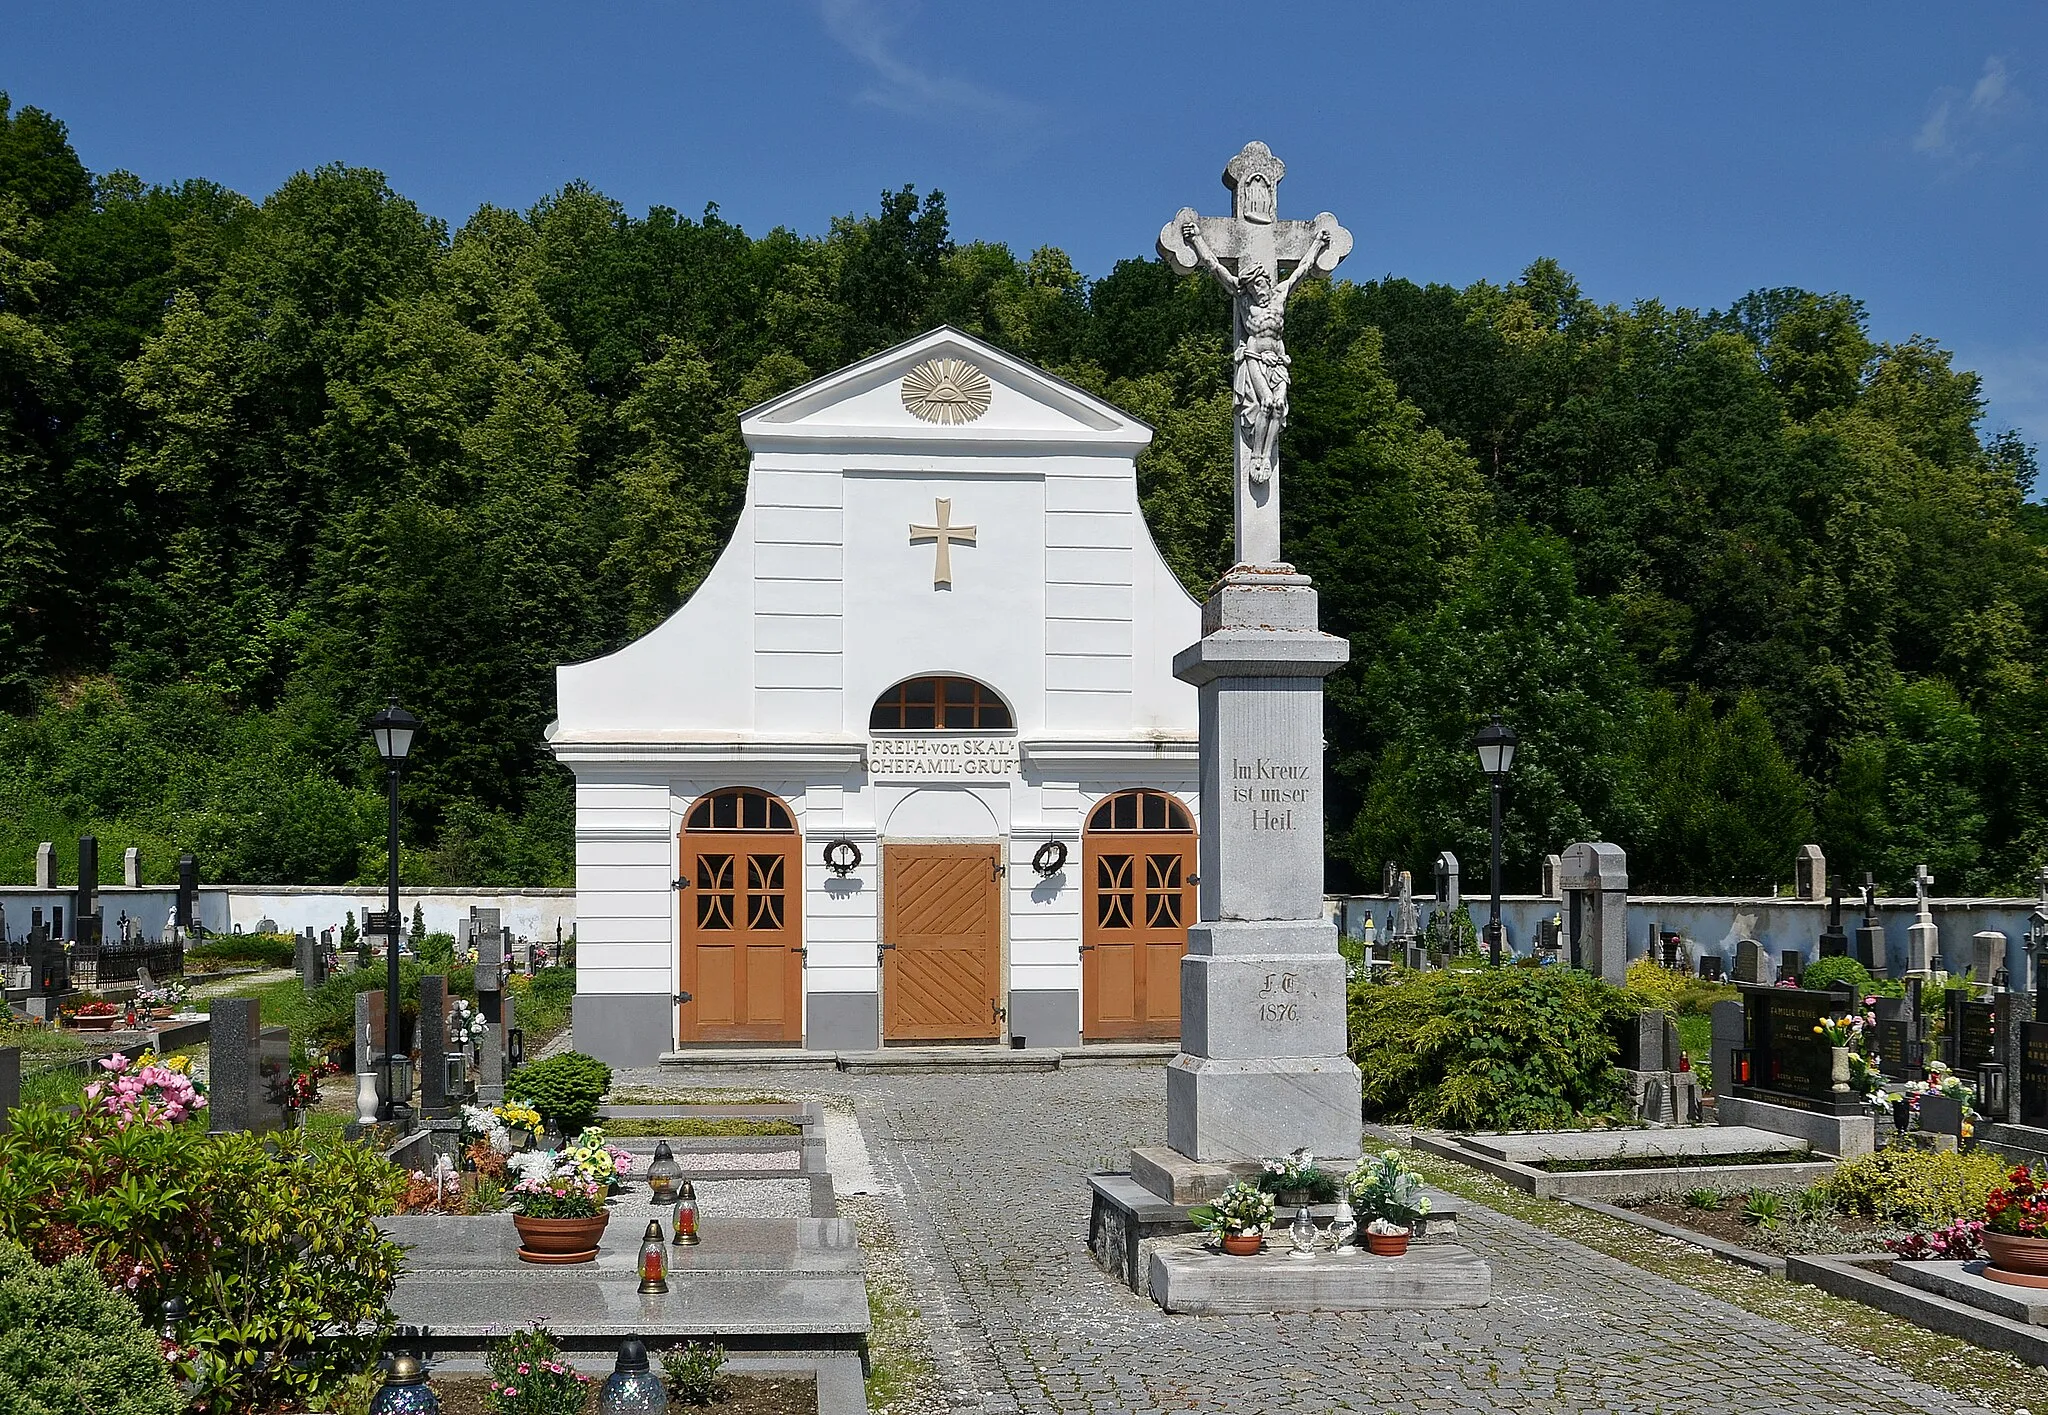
pixel 1496 747
pixel 392 730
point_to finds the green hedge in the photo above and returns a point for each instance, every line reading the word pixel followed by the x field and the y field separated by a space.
pixel 271 950
pixel 70 1345
pixel 1489 1049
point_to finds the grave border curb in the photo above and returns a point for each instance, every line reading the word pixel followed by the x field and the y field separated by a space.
pixel 1843 1275
pixel 1767 1263
pixel 1607 1183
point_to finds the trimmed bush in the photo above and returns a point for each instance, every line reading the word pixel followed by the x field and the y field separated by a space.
pixel 1494 1048
pixel 69 1345
pixel 271 950
pixel 1916 1188
pixel 1653 985
pixel 566 1088
pixel 1824 973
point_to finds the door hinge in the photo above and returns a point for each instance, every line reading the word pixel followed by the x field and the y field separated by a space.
pixel 998 867
pixel 683 997
pixel 805 951
pixel 884 947
pixel 679 884
pixel 996 1006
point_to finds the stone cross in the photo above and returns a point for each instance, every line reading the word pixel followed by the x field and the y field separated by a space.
pixel 1923 885
pixel 1245 252
pixel 945 533
pixel 131 867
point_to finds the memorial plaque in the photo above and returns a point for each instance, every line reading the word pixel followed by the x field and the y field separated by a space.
pixel 1973 1033
pixel 1789 1056
pixel 2034 1074
pixel 1894 1040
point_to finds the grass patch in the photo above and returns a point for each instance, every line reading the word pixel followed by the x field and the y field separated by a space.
pixel 1979 1377
pixel 681 1127
pixel 903 1377
pixel 1696 1040
pixel 65 1087
pixel 681 1095
pixel 1668 1162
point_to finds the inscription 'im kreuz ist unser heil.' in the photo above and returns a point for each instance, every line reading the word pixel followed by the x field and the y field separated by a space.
pixel 1272 789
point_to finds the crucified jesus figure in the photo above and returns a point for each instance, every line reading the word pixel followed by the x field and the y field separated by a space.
pixel 1261 377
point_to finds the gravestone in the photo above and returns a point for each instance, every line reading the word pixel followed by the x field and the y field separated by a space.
pixel 1711 965
pixel 10 1084
pixel 492 1062
pixel 2033 1087
pixel 1728 1038
pixel 46 865
pixel 131 867
pixel 1923 939
pixel 1594 879
pixel 1987 956
pixel 1263 1068
pixel 1892 1040
pixel 188 893
pixel 1390 878
pixel 1791 964
pixel 1941 1115
pixel 1972 1036
pixel 2016 1014
pixel 1870 949
pixel 369 1030
pixel 312 961
pixel 1789 1062
pixel 1407 927
pixel 490 961
pixel 433 1048
pixel 247 1067
pixel 1449 895
pixel 1810 874
pixel 1553 871
pixel 1752 963
pixel 1834 939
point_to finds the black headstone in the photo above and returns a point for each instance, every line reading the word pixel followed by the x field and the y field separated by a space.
pixel 188 892
pixel 2034 1074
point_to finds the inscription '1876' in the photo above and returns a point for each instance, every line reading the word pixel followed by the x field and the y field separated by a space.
pixel 1277 1003
pixel 1271 788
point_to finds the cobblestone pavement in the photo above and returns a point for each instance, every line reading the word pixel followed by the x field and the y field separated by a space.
pixel 990 1173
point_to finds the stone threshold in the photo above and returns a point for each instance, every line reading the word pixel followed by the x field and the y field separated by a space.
pixel 1187 1278
pixel 960 1059
pixel 1855 1277
pixel 1607 1183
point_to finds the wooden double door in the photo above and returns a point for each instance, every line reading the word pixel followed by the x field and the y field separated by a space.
pixel 942 936
pixel 742 933
pixel 1138 858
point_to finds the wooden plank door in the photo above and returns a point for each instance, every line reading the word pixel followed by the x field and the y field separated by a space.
pixel 941 943
pixel 1140 900
pixel 742 961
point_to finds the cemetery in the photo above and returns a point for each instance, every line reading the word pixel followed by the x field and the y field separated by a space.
pixel 952 1009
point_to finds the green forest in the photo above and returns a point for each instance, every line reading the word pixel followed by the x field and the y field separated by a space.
pixel 1741 578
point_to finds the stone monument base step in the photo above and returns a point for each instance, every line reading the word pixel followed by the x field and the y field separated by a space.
pixel 1843 1136
pixel 1187 1277
pixel 2017 1142
pixel 1173 1177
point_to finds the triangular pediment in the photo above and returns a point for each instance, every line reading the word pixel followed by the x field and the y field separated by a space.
pixel 942 388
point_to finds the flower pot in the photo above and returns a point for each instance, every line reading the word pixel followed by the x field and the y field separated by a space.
pixel 1291 1198
pixel 1243 1245
pixel 2020 1261
pixel 1839 1056
pixel 559 1240
pixel 1386 1245
pixel 96 1024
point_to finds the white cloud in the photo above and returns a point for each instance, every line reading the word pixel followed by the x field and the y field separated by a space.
pixel 2015 388
pixel 1962 125
pixel 859 27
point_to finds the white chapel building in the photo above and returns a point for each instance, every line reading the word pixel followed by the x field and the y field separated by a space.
pixel 911 766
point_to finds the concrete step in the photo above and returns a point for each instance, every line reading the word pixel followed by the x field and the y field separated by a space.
pixel 951 1059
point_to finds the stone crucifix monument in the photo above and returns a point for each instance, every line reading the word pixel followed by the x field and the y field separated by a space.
pixel 1263 1068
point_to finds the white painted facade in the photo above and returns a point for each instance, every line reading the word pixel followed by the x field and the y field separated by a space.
pixel 819 604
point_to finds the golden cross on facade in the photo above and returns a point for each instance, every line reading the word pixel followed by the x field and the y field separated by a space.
pixel 945 533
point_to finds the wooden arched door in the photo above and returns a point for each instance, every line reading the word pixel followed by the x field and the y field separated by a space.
pixel 742 908
pixel 1138 858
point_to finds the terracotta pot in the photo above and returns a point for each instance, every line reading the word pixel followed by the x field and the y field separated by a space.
pixel 2023 1261
pixel 162 1014
pixel 1243 1245
pixel 559 1240
pixel 1387 1245
pixel 96 1024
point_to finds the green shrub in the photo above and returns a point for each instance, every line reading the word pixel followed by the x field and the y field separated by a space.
pixel 1492 1048
pixel 542 1007
pixel 270 950
pixel 1762 1208
pixel 1702 1198
pixel 1823 973
pixel 566 1088
pixel 693 1372
pixel 1913 1187
pixel 70 1345
pixel 269 1242
pixel 1653 985
pixel 330 1009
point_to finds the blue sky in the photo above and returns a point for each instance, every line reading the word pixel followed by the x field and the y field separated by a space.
pixel 1684 152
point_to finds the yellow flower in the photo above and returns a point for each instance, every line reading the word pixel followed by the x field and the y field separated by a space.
pixel 1818 1030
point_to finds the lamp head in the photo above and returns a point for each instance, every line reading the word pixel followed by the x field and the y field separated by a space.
pixel 1495 744
pixel 392 730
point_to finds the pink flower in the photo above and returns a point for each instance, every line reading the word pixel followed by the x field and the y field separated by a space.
pixel 116 1062
pixel 522 1368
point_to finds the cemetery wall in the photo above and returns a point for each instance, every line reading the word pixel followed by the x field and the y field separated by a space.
pixel 239 908
pixel 1717 924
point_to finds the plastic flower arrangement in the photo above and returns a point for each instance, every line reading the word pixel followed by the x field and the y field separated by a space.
pixel 1243 1208
pixel 155 1095
pixel 1843 1031
pixel 591 1159
pixel 559 1195
pixel 1386 1186
pixel 2018 1207
pixel 518 1117
pixel 466 1025
pixel 1940 1081
pixel 171 994
pixel 485 1123
pixel 97 1009
pixel 1298 1173
pixel 302 1087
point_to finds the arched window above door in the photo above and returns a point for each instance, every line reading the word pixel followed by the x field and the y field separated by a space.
pixel 1140 810
pixel 940 705
pixel 740 808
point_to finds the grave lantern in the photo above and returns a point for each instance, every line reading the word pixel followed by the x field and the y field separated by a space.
pixel 455 1080
pixel 1496 747
pixel 631 1388
pixel 663 1174
pixel 405 1390
pixel 686 1217
pixel 653 1264
pixel 392 731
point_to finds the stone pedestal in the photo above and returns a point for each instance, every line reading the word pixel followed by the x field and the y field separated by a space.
pixel 1263 1067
